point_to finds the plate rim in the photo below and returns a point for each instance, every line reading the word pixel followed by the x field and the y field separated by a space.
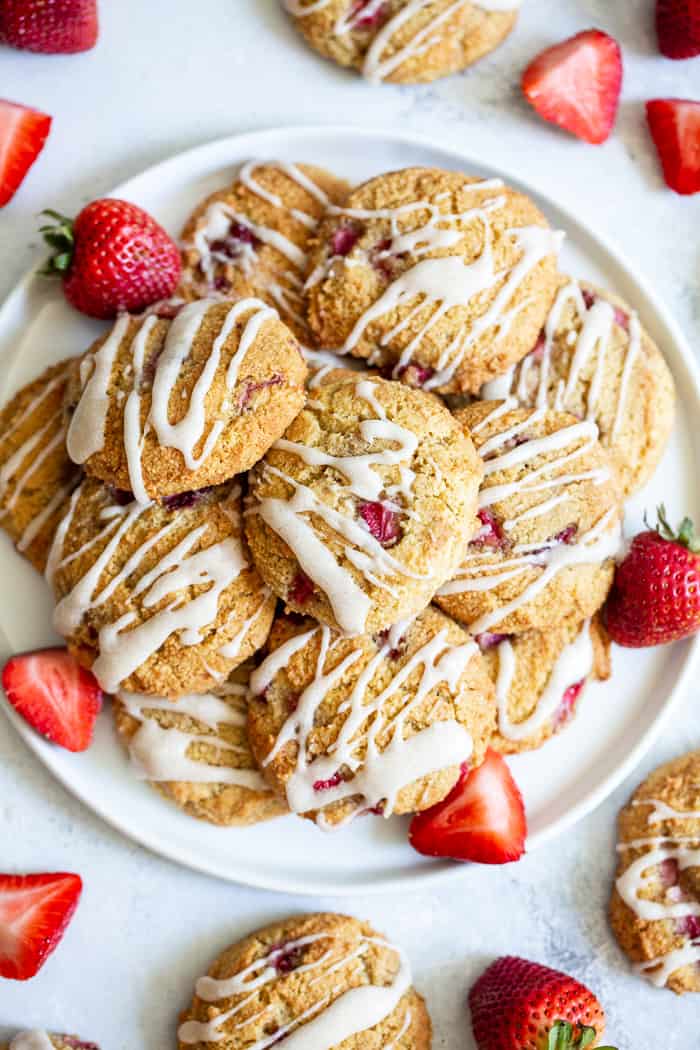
pixel 444 871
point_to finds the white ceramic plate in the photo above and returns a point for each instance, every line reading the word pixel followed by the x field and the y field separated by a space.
pixel 561 783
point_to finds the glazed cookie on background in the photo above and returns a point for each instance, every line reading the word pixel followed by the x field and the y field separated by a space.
pixel 404 41
pixel 550 523
pixel 655 905
pixel 596 361
pixel 195 751
pixel 383 722
pixel 539 678
pixel 36 475
pixel 250 239
pixel 365 506
pixel 330 978
pixel 445 278
pixel 36 1040
pixel 161 598
pixel 159 407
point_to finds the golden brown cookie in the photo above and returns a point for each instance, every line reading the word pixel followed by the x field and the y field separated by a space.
pixel 330 979
pixel 655 905
pixel 161 598
pixel 36 475
pixel 550 522
pixel 159 406
pixel 195 751
pixel 595 360
pixel 445 278
pixel 365 507
pixel 382 722
pixel 539 677
pixel 251 238
pixel 404 41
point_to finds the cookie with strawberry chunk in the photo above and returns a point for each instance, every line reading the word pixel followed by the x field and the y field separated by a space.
pixel 251 238
pixel 550 515
pixel 194 750
pixel 161 406
pixel 329 980
pixel 400 43
pixel 374 723
pixel 157 598
pixel 655 903
pixel 365 506
pixel 539 678
pixel 36 473
pixel 594 359
pixel 442 279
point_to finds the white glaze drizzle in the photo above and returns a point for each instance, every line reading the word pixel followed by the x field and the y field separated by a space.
pixel 161 754
pixel 325 1023
pixel 34 1040
pixel 287 517
pixel 637 878
pixel 125 644
pixel 86 432
pixel 376 776
pixel 574 664
pixel 529 383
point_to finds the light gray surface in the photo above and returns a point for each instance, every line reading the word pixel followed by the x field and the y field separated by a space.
pixel 167 76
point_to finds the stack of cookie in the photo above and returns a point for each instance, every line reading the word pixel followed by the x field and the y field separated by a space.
pixel 341 515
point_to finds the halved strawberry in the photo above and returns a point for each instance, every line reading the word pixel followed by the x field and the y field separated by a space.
pixel 34 913
pixel 678 28
pixel 482 819
pixel 675 127
pixel 576 84
pixel 23 133
pixel 57 696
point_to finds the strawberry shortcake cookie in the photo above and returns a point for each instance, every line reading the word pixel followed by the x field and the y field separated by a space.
pixel 36 474
pixel 384 722
pixel 251 238
pixel 539 678
pixel 195 751
pixel 442 279
pixel 655 906
pixel 320 980
pixel 163 406
pixel 404 41
pixel 160 599
pixel 550 518
pixel 595 360
pixel 365 506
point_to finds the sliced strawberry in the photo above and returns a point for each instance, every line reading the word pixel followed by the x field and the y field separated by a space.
pixel 51 27
pixel 678 28
pixel 23 132
pixel 482 819
pixel 675 127
pixel 576 84
pixel 301 589
pixel 57 696
pixel 34 913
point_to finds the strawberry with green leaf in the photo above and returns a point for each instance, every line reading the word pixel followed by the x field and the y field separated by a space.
pixel 655 596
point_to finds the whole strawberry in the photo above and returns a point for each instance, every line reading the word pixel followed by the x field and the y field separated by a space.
pixel 655 596
pixel 112 257
pixel 521 1005
pixel 52 27
pixel 678 28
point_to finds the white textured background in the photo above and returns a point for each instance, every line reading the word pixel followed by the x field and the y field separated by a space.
pixel 169 75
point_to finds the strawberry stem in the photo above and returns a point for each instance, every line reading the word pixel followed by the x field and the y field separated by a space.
pixel 565 1036
pixel 60 237
pixel 684 534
